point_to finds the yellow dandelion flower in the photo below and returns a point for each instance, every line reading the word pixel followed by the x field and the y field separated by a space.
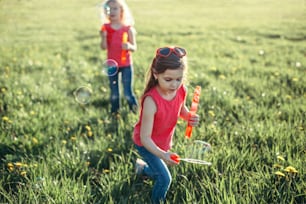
pixel 64 142
pixel 288 97
pixel 277 166
pixel 4 118
pixel 89 134
pixel 279 173
pixel 295 79
pixel 34 140
pixel 138 92
pixel 18 164
pixel 106 171
pixel 109 149
pixel 103 89
pixel 10 165
pixel 222 77
pixel 213 69
pixel 87 127
pixel 280 158
pixel 73 138
pixel 211 113
pixel 23 173
pixel 291 169
pixel 87 163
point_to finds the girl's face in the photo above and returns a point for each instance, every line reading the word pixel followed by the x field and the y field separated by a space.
pixel 115 11
pixel 170 80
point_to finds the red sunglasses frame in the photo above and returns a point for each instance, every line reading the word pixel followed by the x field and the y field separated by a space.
pixel 178 51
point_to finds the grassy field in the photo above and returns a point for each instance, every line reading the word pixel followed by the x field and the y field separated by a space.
pixel 249 57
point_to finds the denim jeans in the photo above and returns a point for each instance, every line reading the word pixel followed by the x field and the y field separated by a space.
pixel 127 80
pixel 159 172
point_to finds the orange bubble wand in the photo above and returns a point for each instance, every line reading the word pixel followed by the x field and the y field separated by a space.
pixel 177 159
pixel 123 52
pixel 193 109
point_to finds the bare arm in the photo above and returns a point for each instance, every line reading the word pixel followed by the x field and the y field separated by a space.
pixel 103 44
pixel 193 120
pixel 131 44
pixel 147 122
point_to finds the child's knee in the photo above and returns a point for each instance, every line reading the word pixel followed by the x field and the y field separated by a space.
pixel 165 180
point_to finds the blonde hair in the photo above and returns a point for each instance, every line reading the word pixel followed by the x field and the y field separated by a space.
pixel 127 18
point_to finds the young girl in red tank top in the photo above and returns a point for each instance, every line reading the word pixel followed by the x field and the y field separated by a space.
pixel 162 104
pixel 119 26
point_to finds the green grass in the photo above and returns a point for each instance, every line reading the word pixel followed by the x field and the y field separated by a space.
pixel 248 57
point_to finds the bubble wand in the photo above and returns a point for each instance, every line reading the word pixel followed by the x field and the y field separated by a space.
pixel 193 109
pixel 123 52
pixel 194 157
pixel 177 159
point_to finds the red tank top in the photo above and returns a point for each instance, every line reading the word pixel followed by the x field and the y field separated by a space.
pixel 114 44
pixel 165 118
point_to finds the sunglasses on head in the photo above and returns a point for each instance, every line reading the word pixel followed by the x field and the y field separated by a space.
pixel 166 51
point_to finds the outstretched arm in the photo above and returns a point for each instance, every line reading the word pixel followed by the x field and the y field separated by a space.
pixel 103 35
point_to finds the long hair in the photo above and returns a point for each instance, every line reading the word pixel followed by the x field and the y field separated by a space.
pixel 160 65
pixel 127 18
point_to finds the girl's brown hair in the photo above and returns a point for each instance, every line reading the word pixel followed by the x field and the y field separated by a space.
pixel 160 64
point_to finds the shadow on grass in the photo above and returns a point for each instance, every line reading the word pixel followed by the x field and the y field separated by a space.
pixel 129 190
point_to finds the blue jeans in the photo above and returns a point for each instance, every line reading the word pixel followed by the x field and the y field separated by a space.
pixel 159 172
pixel 127 80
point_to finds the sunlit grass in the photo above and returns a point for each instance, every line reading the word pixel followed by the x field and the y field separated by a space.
pixel 248 57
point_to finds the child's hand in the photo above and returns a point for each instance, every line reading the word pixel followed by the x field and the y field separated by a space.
pixel 126 46
pixel 194 120
pixel 168 160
